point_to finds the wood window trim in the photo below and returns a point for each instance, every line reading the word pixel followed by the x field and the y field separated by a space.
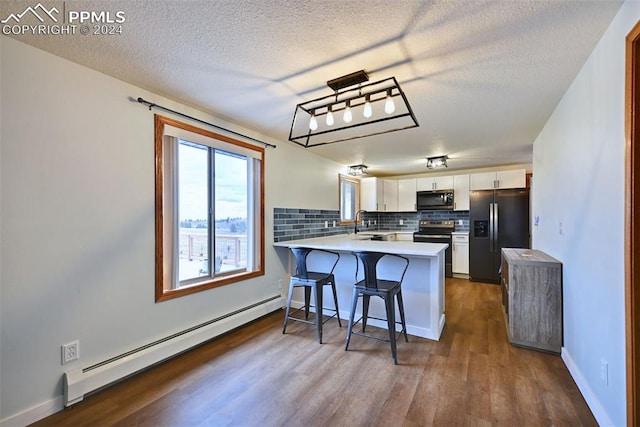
pixel 632 223
pixel 349 178
pixel 162 294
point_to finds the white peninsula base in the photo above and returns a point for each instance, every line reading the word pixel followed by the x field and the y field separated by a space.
pixel 422 288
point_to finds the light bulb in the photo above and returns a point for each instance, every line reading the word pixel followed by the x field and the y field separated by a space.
pixel 389 106
pixel 329 117
pixel 313 123
pixel 367 108
pixel 347 114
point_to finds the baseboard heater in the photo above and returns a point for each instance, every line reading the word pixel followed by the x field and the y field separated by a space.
pixel 81 381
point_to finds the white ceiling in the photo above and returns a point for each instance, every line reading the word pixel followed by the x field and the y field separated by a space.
pixel 482 76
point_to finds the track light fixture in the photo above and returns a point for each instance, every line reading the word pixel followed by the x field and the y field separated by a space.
pixel 366 109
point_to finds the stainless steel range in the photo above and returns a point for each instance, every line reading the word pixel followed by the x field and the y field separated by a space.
pixel 437 232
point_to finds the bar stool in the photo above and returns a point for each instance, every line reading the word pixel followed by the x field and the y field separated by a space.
pixel 370 286
pixel 315 281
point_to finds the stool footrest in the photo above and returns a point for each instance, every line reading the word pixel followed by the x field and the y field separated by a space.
pixel 312 322
pixel 362 334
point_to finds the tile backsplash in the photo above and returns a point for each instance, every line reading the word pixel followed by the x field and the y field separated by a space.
pixel 295 224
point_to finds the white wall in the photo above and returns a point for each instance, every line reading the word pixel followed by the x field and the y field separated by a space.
pixel 77 222
pixel 578 170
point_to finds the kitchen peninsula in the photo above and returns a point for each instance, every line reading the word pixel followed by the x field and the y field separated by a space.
pixel 422 288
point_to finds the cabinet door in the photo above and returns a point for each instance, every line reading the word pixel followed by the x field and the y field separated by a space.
pixel 460 252
pixel 443 182
pixel 512 179
pixel 425 184
pixel 407 195
pixel 461 193
pixel 390 195
pixel 435 183
pixel 369 194
pixel 482 181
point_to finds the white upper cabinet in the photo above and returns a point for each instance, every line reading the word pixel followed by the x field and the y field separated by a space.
pixel 370 194
pixel 501 179
pixel 407 195
pixel 390 195
pixel 461 192
pixel 379 194
pixel 434 183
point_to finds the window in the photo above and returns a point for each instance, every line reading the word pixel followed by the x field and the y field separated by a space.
pixel 209 209
pixel 349 198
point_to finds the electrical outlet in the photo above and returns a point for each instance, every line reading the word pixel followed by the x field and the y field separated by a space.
pixel 326 224
pixel 604 371
pixel 70 352
pixel 401 222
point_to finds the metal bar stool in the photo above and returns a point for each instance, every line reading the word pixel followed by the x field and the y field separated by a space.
pixel 370 286
pixel 315 281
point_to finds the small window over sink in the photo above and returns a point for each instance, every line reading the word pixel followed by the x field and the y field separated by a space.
pixel 349 198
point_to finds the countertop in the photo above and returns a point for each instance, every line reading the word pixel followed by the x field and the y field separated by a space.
pixel 384 232
pixel 460 233
pixel 350 242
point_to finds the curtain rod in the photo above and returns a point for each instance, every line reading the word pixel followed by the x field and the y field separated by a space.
pixel 152 105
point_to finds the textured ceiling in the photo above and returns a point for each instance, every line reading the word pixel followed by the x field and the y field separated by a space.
pixel 482 77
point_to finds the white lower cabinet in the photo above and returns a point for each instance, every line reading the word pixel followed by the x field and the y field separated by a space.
pixel 460 253
pixel 404 236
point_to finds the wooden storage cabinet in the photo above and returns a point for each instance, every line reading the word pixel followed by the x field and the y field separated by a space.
pixel 532 299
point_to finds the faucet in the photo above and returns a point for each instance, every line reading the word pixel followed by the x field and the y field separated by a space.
pixel 355 227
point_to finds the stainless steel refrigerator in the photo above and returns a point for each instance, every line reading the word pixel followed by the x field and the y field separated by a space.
pixel 497 219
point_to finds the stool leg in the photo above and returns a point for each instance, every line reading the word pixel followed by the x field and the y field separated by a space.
pixel 317 287
pixel 335 301
pixel 401 309
pixel 391 325
pixel 354 303
pixel 286 315
pixel 365 310
pixel 307 301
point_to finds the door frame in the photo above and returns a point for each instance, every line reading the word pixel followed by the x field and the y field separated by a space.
pixel 632 222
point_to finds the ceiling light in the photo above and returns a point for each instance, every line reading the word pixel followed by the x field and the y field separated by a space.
pixel 389 105
pixel 357 170
pixel 437 162
pixel 329 120
pixel 313 123
pixel 367 109
pixel 348 117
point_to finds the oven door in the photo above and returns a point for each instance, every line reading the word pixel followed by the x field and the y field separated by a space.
pixel 439 238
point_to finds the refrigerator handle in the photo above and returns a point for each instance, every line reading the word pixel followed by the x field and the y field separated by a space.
pixel 495 228
pixel 491 227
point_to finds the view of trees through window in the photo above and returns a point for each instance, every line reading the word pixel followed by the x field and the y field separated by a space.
pixel 212 211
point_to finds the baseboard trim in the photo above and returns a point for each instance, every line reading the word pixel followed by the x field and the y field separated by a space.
pixel 598 411
pixel 35 413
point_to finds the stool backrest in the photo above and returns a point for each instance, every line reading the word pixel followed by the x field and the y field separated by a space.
pixel 369 267
pixel 301 261
pixel 369 264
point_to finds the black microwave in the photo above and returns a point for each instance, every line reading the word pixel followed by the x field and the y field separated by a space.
pixel 433 200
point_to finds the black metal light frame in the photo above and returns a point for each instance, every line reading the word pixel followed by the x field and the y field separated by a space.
pixel 350 92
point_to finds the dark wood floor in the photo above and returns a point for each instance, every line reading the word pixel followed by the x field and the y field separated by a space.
pixel 256 376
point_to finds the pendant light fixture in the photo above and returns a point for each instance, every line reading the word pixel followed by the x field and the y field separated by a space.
pixel 367 109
